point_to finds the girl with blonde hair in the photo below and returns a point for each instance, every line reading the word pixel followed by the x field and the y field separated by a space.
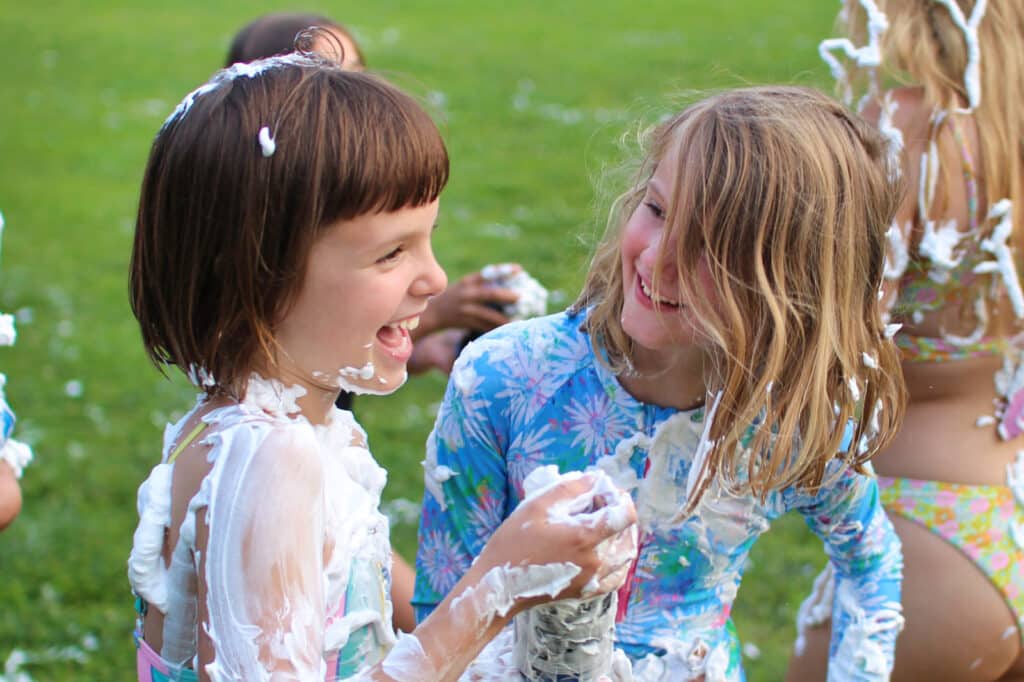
pixel 726 361
pixel 952 480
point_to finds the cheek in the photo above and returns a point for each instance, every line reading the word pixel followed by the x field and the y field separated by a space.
pixel 634 240
pixel 706 283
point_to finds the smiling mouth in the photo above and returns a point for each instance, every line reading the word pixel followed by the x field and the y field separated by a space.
pixel 395 339
pixel 656 298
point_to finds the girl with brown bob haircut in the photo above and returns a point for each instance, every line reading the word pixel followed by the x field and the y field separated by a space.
pixel 726 360
pixel 282 253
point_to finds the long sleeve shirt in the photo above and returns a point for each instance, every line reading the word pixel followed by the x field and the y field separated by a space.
pixel 535 393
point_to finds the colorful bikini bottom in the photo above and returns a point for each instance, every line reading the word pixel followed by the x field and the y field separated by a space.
pixel 985 522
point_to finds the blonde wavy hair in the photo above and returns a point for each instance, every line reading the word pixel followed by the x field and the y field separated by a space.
pixel 924 46
pixel 786 196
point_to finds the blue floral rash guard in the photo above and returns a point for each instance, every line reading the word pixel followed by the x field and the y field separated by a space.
pixel 534 393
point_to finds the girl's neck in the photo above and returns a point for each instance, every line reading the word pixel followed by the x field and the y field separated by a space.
pixel 679 381
pixel 317 401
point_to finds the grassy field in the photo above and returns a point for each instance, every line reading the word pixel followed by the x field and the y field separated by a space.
pixel 533 98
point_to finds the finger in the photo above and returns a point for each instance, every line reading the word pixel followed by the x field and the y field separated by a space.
pixel 497 295
pixel 614 579
pixel 473 279
pixel 483 319
pixel 499 270
pixel 609 520
pixel 566 486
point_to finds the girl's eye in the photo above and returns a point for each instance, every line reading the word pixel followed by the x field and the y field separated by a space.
pixel 655 209
pixel 392 255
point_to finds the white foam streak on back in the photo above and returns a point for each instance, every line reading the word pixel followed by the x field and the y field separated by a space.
pixel 969 27
pixel 147 575
pixel 998 245
pixel 897 256
pixel 868 56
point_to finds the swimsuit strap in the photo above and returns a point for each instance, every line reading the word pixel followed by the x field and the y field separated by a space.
pixel 200 427
pixel 970 175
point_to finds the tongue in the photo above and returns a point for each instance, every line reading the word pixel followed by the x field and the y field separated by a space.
pixel 391 337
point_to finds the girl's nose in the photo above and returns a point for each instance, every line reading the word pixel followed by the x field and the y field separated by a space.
pixel 432 281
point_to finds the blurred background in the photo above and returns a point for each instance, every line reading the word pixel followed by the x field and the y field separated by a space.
pixel 534 99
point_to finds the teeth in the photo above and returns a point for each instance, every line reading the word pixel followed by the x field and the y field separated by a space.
pixel 409 324
pixel 654 297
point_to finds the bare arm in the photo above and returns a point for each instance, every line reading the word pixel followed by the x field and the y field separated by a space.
pixel 531 559
pixel 402 577
pixel 10 495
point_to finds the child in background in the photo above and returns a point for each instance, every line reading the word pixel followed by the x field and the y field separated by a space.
pixel 282 252
pixel 726 361
pixel 952 481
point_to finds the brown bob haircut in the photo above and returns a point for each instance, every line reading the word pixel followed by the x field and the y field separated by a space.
pixel 224 231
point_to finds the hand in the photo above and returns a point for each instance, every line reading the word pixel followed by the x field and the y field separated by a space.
pixel 467 304
pixel 575 521
pixel 437 351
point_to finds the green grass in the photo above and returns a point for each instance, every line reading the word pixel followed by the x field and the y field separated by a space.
pixel 81 96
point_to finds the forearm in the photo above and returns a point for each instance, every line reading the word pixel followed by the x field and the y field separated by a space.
pixel 444 644
pixel 864 631
pixel 402 578
pixel 867 615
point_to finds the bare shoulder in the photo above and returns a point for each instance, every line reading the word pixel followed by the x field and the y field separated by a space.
pixel 909 111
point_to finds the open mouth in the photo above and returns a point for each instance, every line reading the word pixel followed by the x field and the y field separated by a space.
pixel 395 339
pixel 655 299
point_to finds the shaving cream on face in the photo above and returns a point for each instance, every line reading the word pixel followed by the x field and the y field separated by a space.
pixel 362 381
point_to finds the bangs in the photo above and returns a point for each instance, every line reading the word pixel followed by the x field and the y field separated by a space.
pixel 385 152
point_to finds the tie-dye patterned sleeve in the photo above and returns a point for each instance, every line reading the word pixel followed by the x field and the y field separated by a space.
pixel 466 482
pixel 865 553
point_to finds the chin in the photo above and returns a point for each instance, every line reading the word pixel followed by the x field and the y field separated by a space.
pixel 374 384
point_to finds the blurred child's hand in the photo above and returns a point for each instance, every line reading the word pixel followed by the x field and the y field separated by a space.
pixel 437 351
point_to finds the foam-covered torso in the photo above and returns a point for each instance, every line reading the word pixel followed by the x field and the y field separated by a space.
pixel 297 561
